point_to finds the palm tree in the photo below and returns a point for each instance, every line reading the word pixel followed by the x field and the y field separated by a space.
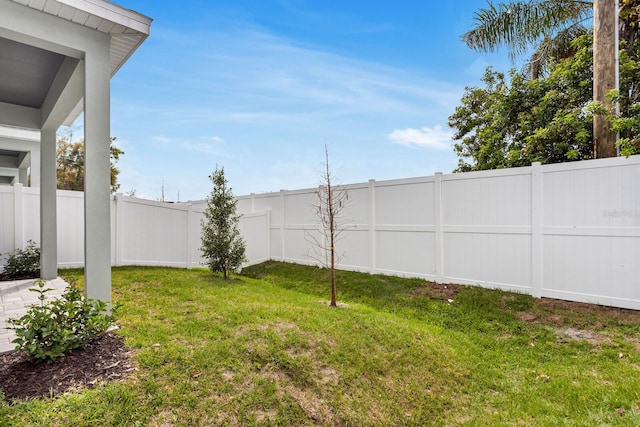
pixel 548 26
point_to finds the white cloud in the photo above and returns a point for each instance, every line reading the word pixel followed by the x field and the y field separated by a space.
pixel 209 145
pixel 269 97
pixel 477 68
pixel 161 139
pixel 436 137
pixel 252 74
pixel 213 145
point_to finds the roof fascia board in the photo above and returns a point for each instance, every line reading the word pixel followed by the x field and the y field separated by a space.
pixel 33 27
pixel 112 12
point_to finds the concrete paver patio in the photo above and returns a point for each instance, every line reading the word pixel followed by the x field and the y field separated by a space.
pixel 15 299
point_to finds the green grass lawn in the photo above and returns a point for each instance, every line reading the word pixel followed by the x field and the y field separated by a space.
pixel 265 349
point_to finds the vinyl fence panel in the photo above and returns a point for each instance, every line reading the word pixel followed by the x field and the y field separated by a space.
pixel 591 232
pixel 8 220
pixel 486 220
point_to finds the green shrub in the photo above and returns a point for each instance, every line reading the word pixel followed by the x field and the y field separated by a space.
pixel 23 263
pixel 50 330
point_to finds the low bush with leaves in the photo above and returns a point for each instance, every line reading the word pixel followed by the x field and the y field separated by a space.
pixel 23 263
pixel 49 330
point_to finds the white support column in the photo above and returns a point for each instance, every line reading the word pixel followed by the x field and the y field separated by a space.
pixel 23 176
pixel 437 209
pixel 23 168
pixel 34 169
pixel 97 173
pixel 18 217
pixel 48 216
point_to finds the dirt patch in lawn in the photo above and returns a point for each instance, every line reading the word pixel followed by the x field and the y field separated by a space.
pixel 578 315
pixel 595 324
pixel 438 291
pixel 104 359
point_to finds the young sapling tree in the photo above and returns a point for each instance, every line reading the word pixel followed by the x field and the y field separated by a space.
pixel 331 201
pixel 222 245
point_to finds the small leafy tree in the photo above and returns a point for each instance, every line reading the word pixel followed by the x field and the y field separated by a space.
pixel 222 245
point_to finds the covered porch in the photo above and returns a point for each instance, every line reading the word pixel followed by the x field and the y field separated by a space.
pixel 56 61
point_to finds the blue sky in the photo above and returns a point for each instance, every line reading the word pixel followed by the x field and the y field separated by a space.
pixel 260 86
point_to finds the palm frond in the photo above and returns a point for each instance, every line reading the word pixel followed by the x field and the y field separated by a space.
pixel 552 49
pixel 520 24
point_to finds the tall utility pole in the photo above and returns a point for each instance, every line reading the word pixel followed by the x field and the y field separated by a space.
pixel 604 73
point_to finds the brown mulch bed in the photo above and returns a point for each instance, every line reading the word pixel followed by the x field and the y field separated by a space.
pixel 104 359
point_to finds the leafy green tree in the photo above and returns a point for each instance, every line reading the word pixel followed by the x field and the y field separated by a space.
pixel 516 121
pixel 548 27
pixel 627 123
pixel 70 165
pixel 222 245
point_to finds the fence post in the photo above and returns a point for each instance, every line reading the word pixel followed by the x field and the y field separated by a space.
pixel 372 226
pixel 282 220
pixel 119 221
pixel 537 193
pixel 18 217
pixel 189 227
pixel 437 211
pixel 268 239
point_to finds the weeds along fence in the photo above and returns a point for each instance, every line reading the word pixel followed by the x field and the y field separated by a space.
pixel 568 231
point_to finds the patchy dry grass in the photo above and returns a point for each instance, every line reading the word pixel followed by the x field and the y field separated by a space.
pixel 261 350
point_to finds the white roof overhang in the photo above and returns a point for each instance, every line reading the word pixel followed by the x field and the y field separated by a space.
pixel 28 72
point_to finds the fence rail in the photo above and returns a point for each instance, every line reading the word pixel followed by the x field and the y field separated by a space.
pixel 568 231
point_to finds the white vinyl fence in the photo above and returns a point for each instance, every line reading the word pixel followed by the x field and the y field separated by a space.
pixel 569 231
pixel 143 232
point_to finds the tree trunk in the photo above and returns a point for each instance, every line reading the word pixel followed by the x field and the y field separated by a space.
pixel 332 237
pixel 604 78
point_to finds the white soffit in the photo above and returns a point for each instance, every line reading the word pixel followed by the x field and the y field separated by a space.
pixel 128 29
